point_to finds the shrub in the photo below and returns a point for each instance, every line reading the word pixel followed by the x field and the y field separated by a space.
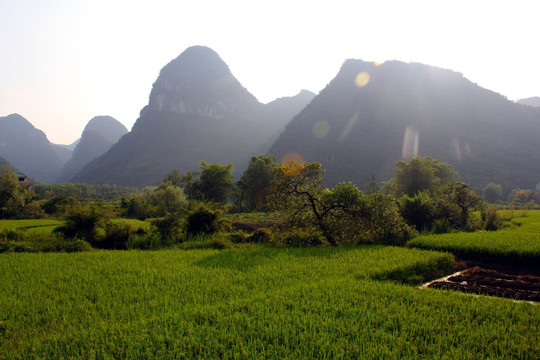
pixel 168 227
pixel 81 223
pixel 117 235
pixel 202 219
pixel 145 241
pixel 417 211
pixel 21 241
pixel 300 237
pixel 491 220
pixel 441 226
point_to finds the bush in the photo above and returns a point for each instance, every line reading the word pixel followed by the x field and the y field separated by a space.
pixel 117 236
pixel 168 227
pixel 441 226
pixel 20 241
pixel 145 241
pixel 57 205
pixel 417 211
pixel 492 221
pixel 202 219
pixel 300 237
pixel 81 223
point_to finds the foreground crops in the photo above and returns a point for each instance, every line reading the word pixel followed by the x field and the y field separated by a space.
pixel 249 303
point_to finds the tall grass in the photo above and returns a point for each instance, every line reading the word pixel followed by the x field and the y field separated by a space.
pixel 319 303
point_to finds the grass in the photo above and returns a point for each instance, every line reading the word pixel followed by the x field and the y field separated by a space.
pixel 324 303
pixel 34 225
pixel 515 245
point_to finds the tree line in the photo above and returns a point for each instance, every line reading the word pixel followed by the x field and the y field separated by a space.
pixel 424 195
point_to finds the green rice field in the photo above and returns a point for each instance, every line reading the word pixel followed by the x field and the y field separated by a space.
pixel 516 244
pixel 37 226
pixel 253 303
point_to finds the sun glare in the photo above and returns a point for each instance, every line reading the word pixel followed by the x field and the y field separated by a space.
pixel 321 129
pixel 292 163
pixel 362 79
pixel 410 143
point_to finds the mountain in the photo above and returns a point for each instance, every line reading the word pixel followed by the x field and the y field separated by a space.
pixel 28 149
pixel 284 108
pixel 98 136
pixel 4 162
pixel 370 115
pixel 197 111
pixel 63 152
pixel 532 101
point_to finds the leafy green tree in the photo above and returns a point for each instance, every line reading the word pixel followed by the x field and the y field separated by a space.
pixel 8 190
pixel 492 192
pixel 216 182
pixel 203 219
pixel 16 201
pixel 167 198
pixel 454 203
pixel 297 190
pixel 82 222
pixel 417 210
pixel 343 214
pixel 255 181
pixel 419 174
pixel 213 183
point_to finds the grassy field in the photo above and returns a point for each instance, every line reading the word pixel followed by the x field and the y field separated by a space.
pixel 37 226
pixel 46 226
pixel 322 303
pixel 517 244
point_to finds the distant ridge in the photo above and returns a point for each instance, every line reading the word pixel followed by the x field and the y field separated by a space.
pixel 197 111
pixel 532 101
pixel 370 116
pixel 28 149
pixel 98 136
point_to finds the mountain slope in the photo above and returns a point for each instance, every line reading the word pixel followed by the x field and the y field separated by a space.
pixel 197 111
pixel 98 136
pixel 370 116
pixel 532 101
pixel 28 149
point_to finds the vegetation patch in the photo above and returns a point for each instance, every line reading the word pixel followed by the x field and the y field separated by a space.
pixel 249 303
pixel 518 246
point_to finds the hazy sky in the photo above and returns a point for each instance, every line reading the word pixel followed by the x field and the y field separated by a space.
pixel 64 62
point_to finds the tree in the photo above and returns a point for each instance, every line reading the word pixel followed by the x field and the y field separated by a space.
pixel 419 174
pixel 342 215
pixel 297 189
pixel 213 183
pixel 456 199
pixel 8 190
pixel 216 182
pixel 492 192
pixel 417 210
pixel 16 200
pixel 255 181
pixel 167 198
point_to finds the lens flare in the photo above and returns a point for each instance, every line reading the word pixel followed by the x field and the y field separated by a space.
pixel 292 163
pixel 461 150
pixel 292 168
pixel 410 143
pixel 349 125
pixel 362 79
pixel 377 63
pixel 321 129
